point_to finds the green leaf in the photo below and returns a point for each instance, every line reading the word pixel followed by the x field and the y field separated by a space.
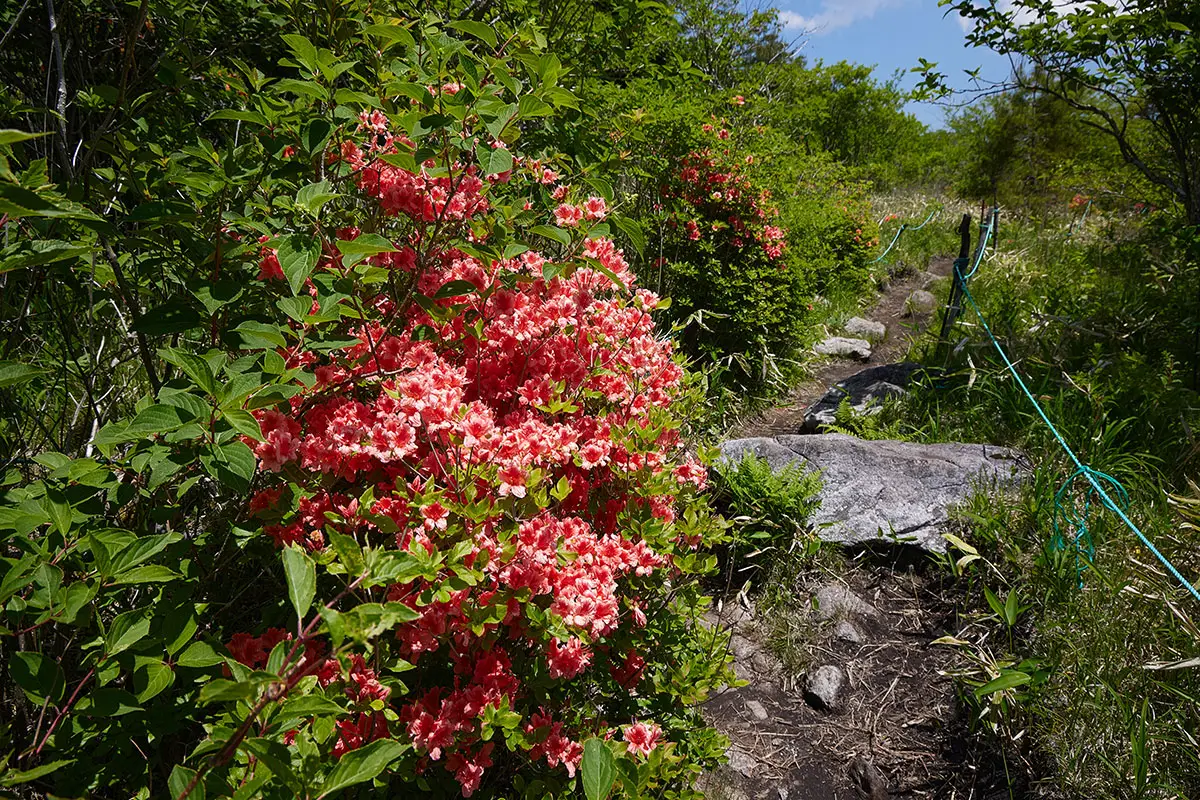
pixel 199 654
pixel 361 765
pixel 315 134
pixel 298 256
pixel 241 116
pixel 14 372
pixel 311 705
pixel 126 630
pixel 23 255
pixel 151 679
pixel 9 135
pixel 181 777
pixel 303 49
pixel 256 335
pixel 993 601
pixel 244 423
pixel 278 759
pixel 235 465
pixel 301 575
pixel 193 366
pixel 557 234
pixel 41 677
pixel 59 509
pixel 111 702
pixel 150 573
pixel 598 769
pixel 314 196
pixel 223 690
pixel 477 29
pixel 393 33
pixel 455 289
pixel 1008 680
pixel 495 160
pixel 176 316
pixel 633 231
pixel 14 777
pixel 157 419
pixel 362 248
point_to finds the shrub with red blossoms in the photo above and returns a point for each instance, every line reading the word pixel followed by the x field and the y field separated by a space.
pixel 456 433
pixel 727 267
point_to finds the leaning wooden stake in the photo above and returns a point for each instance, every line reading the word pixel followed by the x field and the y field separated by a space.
pixel 954 303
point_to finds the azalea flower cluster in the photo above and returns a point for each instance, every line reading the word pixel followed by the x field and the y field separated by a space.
pixel 720 200
pixel 517 419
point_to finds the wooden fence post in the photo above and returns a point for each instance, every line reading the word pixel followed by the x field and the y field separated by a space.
pixel 954 303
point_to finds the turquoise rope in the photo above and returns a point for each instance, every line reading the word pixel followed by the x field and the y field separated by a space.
pixel 895 239
pixel 1076 226
pixel 904 227
pixel 927 219
pixel 1082 540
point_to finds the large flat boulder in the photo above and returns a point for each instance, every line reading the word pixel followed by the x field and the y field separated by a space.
pixel 865 390
pixel 886 490
pixel 841 347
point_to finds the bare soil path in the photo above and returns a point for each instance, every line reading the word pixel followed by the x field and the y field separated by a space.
pixel 788 417
pixel 897 730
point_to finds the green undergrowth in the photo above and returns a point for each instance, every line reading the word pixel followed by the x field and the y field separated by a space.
pixel 1077 662
pixel 770 509
pixel 778 551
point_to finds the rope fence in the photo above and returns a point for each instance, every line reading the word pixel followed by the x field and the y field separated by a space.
pixel 1100 486
pixel 905 227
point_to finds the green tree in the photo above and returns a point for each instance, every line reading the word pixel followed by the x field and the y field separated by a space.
pixel 1132 70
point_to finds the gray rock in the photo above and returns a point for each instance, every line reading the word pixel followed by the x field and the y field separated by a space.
pixel 742 762
pixel 886 490
pixel 824 689
pixel 757 710
pixel 842 347
pixel 835 601
pixel 868 779
pixel 724 784
pixel 919 302
pixel 864 390
pixel 929 279
pixel 866 329
pixel 846 631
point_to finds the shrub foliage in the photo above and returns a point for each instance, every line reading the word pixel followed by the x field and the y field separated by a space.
pixel 408 501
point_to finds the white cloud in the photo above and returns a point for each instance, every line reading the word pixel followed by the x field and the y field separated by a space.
pixel 1024 16
pixel 834 14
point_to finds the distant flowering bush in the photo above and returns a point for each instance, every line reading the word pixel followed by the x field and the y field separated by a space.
pixel 727 256
pixel 443 409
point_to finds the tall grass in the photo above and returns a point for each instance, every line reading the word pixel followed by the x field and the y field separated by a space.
pixel 1101 326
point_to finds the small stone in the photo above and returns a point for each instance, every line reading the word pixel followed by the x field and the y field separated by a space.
pixel 757 710
pixel 865 391
pixel 781 793
pixel 868 779
pixel 835 601
pixel 825 686
pixel 742 763
pixel 866 329
pixel 846 631
pixel 919 302
pixel 843 347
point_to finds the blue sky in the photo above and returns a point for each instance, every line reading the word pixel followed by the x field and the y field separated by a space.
pixel 891 34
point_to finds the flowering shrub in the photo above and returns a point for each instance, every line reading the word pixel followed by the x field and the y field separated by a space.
pixel 413 505
pixel 725 259
pixel 749 229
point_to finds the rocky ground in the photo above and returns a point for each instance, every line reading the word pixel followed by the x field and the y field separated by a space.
pixel 863 708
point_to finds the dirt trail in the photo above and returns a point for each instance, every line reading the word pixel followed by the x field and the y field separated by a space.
pixel 888 309
pixel 897 730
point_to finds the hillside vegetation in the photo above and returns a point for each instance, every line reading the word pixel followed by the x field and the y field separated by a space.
pixel 361 362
